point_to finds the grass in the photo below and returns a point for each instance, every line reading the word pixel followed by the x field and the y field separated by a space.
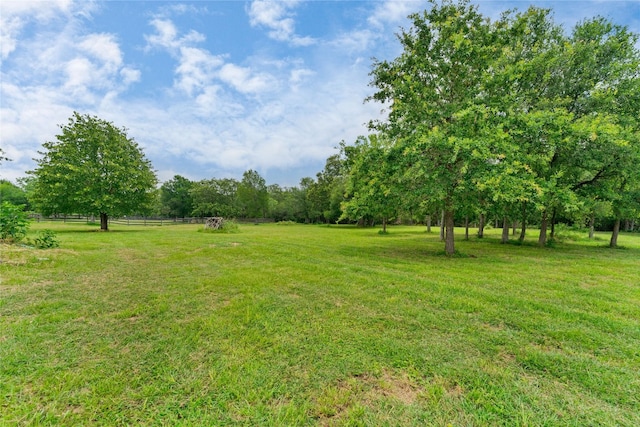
pixel 317 325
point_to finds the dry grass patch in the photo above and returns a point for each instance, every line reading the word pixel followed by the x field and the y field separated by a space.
pixel 365 391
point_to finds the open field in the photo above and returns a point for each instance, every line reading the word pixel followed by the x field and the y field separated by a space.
pixel 316 325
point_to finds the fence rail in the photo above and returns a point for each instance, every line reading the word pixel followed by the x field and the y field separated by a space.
pixel 156 221
pixel 138 220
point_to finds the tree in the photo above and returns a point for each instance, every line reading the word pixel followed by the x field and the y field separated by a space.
pixel 326 194
pixel 176 198
pixel 589 114
pixel 11 193
pixel 253 196
pixel 286 204
pixel 434 88
pixel 303 199
pixel 371 182
pixel 607 106
pixel 93 168
pixel 215 197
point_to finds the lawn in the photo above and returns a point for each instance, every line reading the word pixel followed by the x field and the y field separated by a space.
pixel 317 325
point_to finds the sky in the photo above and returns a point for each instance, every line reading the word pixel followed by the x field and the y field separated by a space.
pixel 210 89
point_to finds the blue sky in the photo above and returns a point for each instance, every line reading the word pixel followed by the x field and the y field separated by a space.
pixel 212 88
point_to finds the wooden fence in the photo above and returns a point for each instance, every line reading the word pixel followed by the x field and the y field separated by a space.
pixel 138 220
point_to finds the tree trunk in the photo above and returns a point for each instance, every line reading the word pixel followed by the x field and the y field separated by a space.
pixel 428 223
pixel 442 234
pixel 523 229
pixel 104 222
pixel 553 225
pixel 505 230
pixel 384 225
pixel 523 232
pixel 515 227
pixel 449 247
pixel 542 240
pixel 592 225
pixel 481 226
pixel 466 227
pixel 614 236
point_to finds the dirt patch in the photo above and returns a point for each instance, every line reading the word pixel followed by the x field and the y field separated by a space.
pixel 400 388
pixel 368 391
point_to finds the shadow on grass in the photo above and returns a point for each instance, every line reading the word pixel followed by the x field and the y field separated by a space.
pixel 431 248
pixel 414 252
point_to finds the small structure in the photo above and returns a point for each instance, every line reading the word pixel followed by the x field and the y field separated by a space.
pixel 214 223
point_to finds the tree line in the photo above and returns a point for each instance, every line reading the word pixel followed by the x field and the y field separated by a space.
pixel 513 118
pixel 249 197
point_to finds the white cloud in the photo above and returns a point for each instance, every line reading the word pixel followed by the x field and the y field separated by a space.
pixel 80 72
pixel 278 17
pixel 167 36
pixel 196 69
pixel 130 75
pixel 96 67
pixel 9 28
pixel 384 19
pixel 299 76
pixel 393 12
pixel 355 41
pixel 102 47
pixel 14 15
pixel 244 81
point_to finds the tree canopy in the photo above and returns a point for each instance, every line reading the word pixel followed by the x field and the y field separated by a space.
pixel 93 168
pixel 510 115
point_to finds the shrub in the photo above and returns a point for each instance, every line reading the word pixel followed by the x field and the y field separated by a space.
pixel 46 239
pixel 13 222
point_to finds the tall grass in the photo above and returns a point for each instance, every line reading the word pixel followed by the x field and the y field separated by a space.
pixel 317 325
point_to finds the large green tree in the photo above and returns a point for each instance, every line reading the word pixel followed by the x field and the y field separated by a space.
pixel 215 197
pixel 433 90
pixel 514 114
pixel 175 197
pixel 11 193
pixel 93 168
pixel 372 181
pixel 253 196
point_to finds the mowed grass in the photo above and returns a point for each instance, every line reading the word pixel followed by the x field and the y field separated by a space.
pixel 317 325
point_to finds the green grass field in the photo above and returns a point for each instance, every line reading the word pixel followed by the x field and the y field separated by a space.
pixel 316 325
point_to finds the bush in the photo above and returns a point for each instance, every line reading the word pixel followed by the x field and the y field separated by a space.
pixel 46 239
pixel 565 232
pixel 13 222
